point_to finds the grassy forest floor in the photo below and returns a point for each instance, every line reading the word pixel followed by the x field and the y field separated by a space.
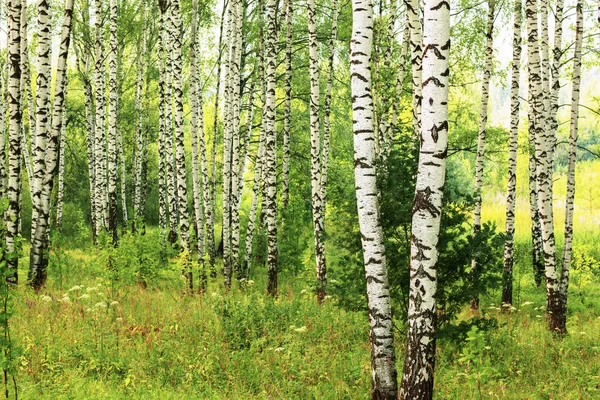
pixel 86 337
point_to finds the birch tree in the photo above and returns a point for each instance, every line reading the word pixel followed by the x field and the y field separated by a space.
pixel 184 225
pixel 315 153
pixel 40 243
pixel 287 113
pixel 560 320
pixel 41 136
pixel 139 149
pixel 13 188
pixel 99 137
pixel 112 125
pixel 419 363
pixel 416 60
pixel 483 117
pixel 383 357
pixel 60 193
pixel 270 200
pixel 512 156
pixel 162 123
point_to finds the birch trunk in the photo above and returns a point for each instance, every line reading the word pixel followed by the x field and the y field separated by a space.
pixel 560 320
pixel 139 138
pixel 483 117
pixel 210 211
pixel 90 129
pixel 399 84
pixel 172 186
pixel 40 244
pixel 383 358
pixel 184 225
pixel 287 112
pixel 99 141
pixel 112 125
pixel 197 135
pixel 416 51
pixel 271 149
pixel 419 364
pixel 162 125
pixel 61 160
pixel 36 265
pixel 235 151
pixel 512 158
pixel 13 189
pixel 315 152
pixel 26 91
pixel 227 144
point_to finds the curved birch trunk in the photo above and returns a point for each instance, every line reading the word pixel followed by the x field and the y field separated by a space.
pixel 483 117
pixel 26 91
pixel 383 358
pixel 270 199
pixel 512 158
pixel 13 189
pixel 561 319
pixel 419 363
pixel 39 255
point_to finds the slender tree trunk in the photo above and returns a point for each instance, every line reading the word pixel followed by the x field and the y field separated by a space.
pixel 184 225
pixel 399 84
pixel 172 186
pixel 271 150
pixel 211 211
pixel 162 125
pixel 235 151
pixel 36 266
pixel 112 125
pixel 26 91
pixel 536 230
pixel 90 132
pixel 287 113
pixel 254 206
pixel 327 115
pixel 543 142
pixel 483 117
pixel 99 141
pixel 419 363
pixel 560 323
pixel 416 51
pixel 39 255
pixel 315 152
pixel 61 160
pixel 2 143
pixel 512 158
pixel 139 138
pixel 383 358
pixel 197 135
pixel 11 216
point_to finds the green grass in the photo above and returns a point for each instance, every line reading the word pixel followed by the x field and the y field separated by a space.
pixel 122 341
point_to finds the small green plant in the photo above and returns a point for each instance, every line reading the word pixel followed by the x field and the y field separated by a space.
pixel 476 360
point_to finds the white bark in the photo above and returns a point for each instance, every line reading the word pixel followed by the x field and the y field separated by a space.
pixel 419 364
pixel 383 358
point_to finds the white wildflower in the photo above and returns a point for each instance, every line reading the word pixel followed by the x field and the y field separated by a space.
pixel 66 299
pixel 100 305
pixel 527 303
pixel 76 287
pixel 47 299
pixel 279 349
pixel 91 289
pixel 302 329
pixel 84 296
pixel 113 303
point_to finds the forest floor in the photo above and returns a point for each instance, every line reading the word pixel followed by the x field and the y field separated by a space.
pixel 87 337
